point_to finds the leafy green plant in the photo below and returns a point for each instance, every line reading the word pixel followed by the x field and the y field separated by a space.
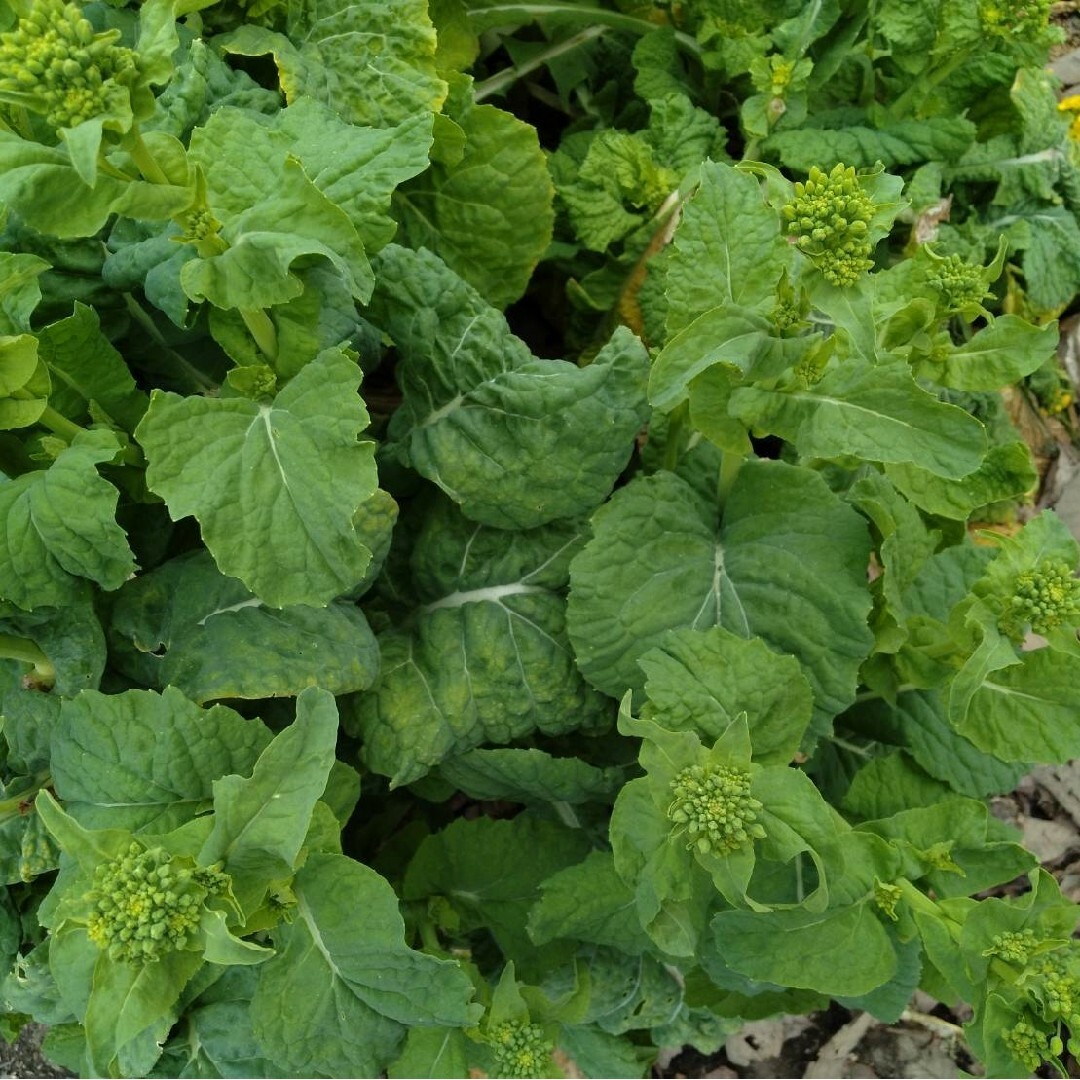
pixel 382 695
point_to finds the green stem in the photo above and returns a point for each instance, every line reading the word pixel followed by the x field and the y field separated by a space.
pixel 498 82
pixel 22 804
pixel 921 87
pixel 26 652
pixel 59 425
pixel 262 329
pixel 676 429
pixel 593 15
pixel 146 162
pixel 877 695
pixel 730 466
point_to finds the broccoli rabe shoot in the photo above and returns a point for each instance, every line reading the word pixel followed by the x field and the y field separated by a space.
pixel 713 806
pixel 959 285
pixel 1053 986
pixel 520 1049
pixel 144 903
pixel 1030 1045
pixel 829 220
pixel 1043 598
pixel 886 897
pixel 1012 946
pixel 1015 20
pixel 53 63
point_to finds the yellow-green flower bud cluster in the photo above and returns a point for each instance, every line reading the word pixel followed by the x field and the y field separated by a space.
pixel 886 897
pixel 521 1050
pixel 1012 946
pixel 959 284
pixel 144 904
pixel 1031 1046
pixel 712 803
pixel 829 220
pixel 1024 20
pixel 1044 598
pixel 66 70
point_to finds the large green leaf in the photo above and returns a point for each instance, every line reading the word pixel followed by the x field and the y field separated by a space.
pixel 344 984
pixel 702 680
pixel 516 441
pixel 144 761
pixel 271 214
pixel 275 486
pixel 20 290
pixel 59 527
pixel 876 412
pixel 728 248
pixel 372 63
pixel 488 215
pixel 187 625
pixel 1000 354
pixel 485 658
pixel 799 948
pixel 786 563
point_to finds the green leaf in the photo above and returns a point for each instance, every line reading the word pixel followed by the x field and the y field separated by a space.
pixel 1007 472
pixel 657 561
pixel 24 382
pixel 144 761
pixel 874 412
pixel 186 625
pixel 271 214
pixel 59 527
pixel 701 681
pixel 260 822
pixel 87 371
pixel 336 997
pixel 799 949
pixel 41 184
pixel 432 1052
pixel 516 446
pixel 588 902
pixel 728 248
pixel 935 138
pixel 491 872
pixel 1027 712
pixel 20 290
pixel 489 215
pixel 1000 354
pixel 373 66
pixel 485 659
pixel 530 776
pixel 275 486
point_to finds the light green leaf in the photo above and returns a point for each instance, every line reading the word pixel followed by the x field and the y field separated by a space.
pixel 432 1052
pixel 20 291
pixel 489 215
pixel 336 997
pixel 658 561
pixel 1027 712
pixel 24 382
pixel 260 821
pixel 126 999
pixel 222 947
pixel 485 659
pixel 373 65
pixel 998 355
pixel 875 412
pixel 86 369
pixel 275 487
pixel 800 949
pixel 702 681
pixel 41 184
pixel 728 248
pixel 516 441
pixel 1007 472
pixel 271 215
pixel 530 776
pixel 146 762
pixel 59 527
pixel 186 625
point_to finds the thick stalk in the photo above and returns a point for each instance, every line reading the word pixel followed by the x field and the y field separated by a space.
pixel 26 652
pixel 922 86
pixel 146 162
pixel 730 466
pixel 262 329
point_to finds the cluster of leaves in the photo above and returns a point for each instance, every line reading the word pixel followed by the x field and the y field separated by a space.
pixel 669 672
